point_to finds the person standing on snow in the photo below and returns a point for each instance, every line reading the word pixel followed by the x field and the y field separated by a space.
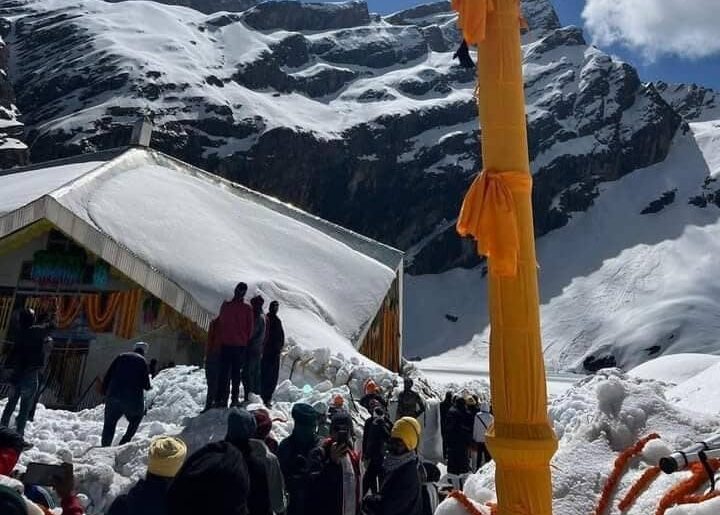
pixel 212 367
pixel 372 393
pixel 270 364
pixel 460 426
pixel 400 493
pixel 483 421
pixel 410 404
pixel 149 496
pixel 294 454
pixel 376 435
pixel 26 359
pixel 336 488
pixel 124 386
pixel 445 406
pixel 251 372
pixel 263 424
pixel 267 488
pixel 235 326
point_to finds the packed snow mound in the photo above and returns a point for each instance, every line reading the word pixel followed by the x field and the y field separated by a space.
pixel 595 420
pixel 623 282
pixel 674 368
pixel 694 391
pixel 173 408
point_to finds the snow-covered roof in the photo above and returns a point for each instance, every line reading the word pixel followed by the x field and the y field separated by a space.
pixel 188 237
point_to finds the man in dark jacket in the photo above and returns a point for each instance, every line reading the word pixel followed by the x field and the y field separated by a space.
pixel 445 406
pixel 251 372
pixel 295 458
pixel 234 328
pixel 274 343
pixel 400 493
pixel 26 359
pixel 213 481
pixel 410 404
pixel 149 495
pixel 335 484
pixel 375 438
pixel 460 426
pixel 123 386
pixel 267 489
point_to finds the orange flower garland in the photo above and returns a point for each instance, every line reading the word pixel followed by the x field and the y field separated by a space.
pixel 621 463
pixel 684 492
pixel 129 306
pixel 464 502
pixel 638 488
pixel 99 320
pixel 68 309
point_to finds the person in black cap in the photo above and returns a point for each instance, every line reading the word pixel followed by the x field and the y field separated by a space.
pixel 335 488
pixel 295 457
pixel 214 480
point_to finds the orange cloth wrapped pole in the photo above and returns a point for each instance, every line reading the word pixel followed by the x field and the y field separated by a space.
pixel 498 213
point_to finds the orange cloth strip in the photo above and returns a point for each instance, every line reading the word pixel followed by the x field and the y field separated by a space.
pixel 488 215
pixel 473 18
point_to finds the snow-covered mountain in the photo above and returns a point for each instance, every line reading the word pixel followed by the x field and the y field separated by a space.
pixel 368 121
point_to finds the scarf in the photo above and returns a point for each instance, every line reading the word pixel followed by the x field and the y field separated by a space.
pixel 393 462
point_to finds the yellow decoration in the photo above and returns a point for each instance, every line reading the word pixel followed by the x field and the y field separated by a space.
pixel 521 441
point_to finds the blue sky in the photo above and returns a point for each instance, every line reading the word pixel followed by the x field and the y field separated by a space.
pixel 704 71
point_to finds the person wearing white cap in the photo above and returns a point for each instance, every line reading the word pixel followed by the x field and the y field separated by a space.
pixel 124 385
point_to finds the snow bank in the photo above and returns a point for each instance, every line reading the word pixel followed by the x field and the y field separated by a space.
pixel 697 393
pixel 674 368
pixel 595 420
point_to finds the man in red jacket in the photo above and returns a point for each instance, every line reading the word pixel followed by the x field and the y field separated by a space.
pixel 234 327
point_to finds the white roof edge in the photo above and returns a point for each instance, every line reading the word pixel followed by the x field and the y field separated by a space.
pixel 110 251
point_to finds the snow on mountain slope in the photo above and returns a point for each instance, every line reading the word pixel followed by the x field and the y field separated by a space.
pixel 363 120
pixel 616 284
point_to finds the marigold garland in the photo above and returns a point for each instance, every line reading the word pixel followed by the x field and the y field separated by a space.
pixel 684 492
pixel 621 463
pixel 98 320
pixel 638 488
pixel 68 309
pixel 129 306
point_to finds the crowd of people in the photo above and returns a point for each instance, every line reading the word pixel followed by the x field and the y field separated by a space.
pixel 321 467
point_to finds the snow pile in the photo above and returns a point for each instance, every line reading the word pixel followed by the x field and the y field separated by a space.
pixel 674 368
pixel 596 419
pixel 173 407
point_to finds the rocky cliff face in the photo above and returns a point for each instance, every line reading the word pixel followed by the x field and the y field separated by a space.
pixel 13 151
pixel 209 6
pixel 365 121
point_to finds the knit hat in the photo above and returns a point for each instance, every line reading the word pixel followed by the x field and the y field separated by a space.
pixel 371 387
pixel 141 346
pixel 341 420
pixel 304 415
pixel 11 502
pixel 166 456
pixel 241 425
pixel 213 480
pixel 338 401
pixel 407 429
pixel 263 424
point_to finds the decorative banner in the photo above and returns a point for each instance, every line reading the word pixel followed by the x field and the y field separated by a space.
pixel 127 313
pixel 98 320
pixel 68 309
pixel 50 267
pixel 101 274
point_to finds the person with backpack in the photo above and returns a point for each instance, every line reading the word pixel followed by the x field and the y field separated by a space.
pixel 235 325
pixel 483 420
pixel 400 492
pixel 124 387
pixel 295 457
pixel 26 360
pixel 376 436
pixel 149 495
pixel 270 364
pixel 251 373
pixel 335 486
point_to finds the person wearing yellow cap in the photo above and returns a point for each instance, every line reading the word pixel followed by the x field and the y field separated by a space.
pixel 400 493
pixel 148 496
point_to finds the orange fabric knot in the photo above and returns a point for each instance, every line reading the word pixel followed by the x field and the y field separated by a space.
pixel 488 214
pixel 472 18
